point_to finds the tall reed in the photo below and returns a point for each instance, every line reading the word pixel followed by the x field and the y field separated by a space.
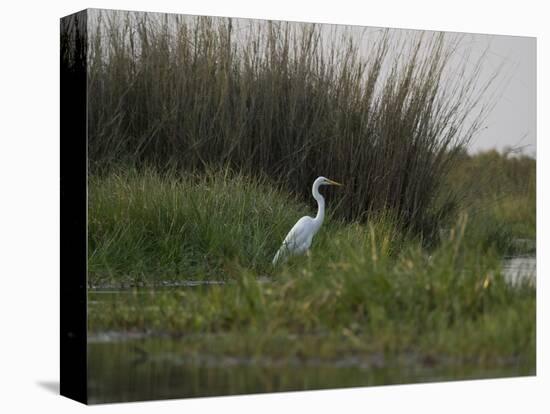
pixel 384 112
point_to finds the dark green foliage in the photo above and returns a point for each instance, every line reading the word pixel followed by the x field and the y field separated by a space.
pixel 146 226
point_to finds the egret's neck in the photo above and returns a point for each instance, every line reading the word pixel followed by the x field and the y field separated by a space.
pixel 321 206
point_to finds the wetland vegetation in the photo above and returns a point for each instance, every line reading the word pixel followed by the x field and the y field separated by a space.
pixel 204 138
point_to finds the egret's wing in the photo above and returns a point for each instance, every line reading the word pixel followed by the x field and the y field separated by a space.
pixel 296 237
pixel 298 233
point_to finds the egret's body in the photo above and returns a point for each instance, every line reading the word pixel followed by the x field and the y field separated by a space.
pixel 299 238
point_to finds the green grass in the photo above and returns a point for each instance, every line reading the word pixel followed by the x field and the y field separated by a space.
pixel 498 191
pixel 149 226
pixel 368 283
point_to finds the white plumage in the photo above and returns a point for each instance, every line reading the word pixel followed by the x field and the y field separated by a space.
pixel 300 236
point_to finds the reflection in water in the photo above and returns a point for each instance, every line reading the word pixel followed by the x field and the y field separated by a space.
pixel 156 368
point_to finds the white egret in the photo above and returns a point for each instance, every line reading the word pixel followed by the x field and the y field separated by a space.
pixel 298 239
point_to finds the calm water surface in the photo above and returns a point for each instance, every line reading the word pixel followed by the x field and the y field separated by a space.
pixel 518 269
pixel 156 368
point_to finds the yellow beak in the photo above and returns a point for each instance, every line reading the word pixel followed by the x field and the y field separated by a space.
pixel 334 183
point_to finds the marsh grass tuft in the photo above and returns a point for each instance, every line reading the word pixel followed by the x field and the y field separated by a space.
pixel 383 113
pixel 149 226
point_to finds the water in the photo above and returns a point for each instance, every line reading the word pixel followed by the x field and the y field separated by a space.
pixel 133 366
pixel 521 268
pixel 166 284
pixel 160 368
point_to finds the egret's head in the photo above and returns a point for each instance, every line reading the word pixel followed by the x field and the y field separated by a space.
pixel 325 181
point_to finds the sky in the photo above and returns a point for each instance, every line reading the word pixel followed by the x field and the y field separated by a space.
pixel 513 119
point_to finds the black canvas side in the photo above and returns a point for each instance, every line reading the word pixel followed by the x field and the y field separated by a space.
pixel 73 128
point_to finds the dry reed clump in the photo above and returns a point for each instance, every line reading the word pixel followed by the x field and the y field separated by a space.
pixel 379 112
